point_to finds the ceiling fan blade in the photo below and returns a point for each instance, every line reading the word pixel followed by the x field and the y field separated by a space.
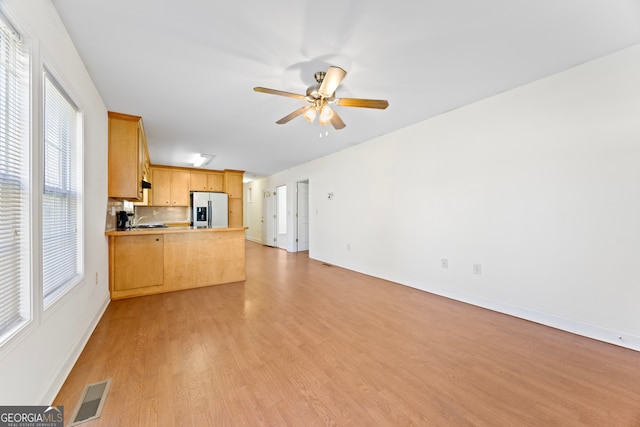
pixel 336 121
pixel 279 92
pixel 295 114
pixel 331 81
pixel 363 103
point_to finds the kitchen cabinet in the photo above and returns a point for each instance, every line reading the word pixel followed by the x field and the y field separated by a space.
pixel 233 183
pixel 234 188
pixel 128 156
pixel 236 217
pixel 206 181
pixel 136 262
pixel 145 262
pixel 146 168
pixel 170 186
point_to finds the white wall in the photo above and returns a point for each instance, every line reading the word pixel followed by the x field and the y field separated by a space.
pixel 34 366
pixel 539 185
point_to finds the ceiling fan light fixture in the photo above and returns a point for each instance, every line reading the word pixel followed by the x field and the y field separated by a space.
pixel 310 115
pixel 325 115
pixel 202 160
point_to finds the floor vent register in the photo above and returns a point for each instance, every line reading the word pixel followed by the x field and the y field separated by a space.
pixel 91 402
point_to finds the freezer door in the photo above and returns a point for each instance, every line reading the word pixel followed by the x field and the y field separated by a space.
pixel 200 212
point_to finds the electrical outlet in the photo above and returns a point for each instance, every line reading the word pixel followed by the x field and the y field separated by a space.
pixel 96 277
pixel 444 263
pixel 348 246
pixel 477 269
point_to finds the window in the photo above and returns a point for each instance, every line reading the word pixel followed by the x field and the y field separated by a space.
pixel 61 200
pixel 15 305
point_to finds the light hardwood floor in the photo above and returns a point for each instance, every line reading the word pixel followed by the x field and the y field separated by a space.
pixel 301 343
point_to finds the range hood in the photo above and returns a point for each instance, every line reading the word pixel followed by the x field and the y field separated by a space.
pixel 146 184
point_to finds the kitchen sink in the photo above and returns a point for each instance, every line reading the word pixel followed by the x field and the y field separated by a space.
pixel 150 226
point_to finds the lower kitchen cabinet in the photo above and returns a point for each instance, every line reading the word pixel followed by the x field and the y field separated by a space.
pixel 236 218
pixel 150 262
pixel 137 262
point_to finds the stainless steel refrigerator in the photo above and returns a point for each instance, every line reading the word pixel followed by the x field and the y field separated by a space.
pixel 209 210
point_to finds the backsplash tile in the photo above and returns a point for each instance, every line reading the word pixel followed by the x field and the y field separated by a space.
pixel 151 213
pixel 162 214
pixel 113 205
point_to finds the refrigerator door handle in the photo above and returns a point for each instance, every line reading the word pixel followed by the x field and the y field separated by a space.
pixel 209 206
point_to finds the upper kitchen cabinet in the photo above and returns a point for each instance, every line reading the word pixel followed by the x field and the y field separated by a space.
pixel 233 183
pixel 233 187
pixel 170 186
pixel 128 157
pixel 207 181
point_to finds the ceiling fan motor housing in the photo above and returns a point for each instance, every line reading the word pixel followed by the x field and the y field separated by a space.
pixel 312 92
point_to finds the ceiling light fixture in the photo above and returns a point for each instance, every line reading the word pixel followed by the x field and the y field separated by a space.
pixel 202 159
pixel 325 115
pixel 310 115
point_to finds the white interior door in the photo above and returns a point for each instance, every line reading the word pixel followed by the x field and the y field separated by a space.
pixel 268 218
pixel 303 216
pixel 281 217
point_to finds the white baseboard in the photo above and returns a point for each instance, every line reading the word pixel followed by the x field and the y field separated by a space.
pixel 596 332
pixel 73 356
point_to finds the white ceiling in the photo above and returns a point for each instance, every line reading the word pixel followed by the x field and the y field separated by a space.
pixel 189 67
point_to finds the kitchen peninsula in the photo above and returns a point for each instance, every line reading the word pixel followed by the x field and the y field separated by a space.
pixel 156 260
pixel 151 261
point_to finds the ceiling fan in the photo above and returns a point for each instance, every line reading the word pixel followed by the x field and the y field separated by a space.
pixel 320 95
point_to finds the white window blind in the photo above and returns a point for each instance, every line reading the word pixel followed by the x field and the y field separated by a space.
pixel 61 201
pixel 14 184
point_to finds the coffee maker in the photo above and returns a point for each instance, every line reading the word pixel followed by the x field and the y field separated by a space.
pixel 122 220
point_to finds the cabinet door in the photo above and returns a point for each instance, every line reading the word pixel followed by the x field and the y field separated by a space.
pixel 161 187
pixel 236 218
pixel 206 181
pixel 179 188
pixel 233 184
pixel 215 181
pixel 138 261
pixel 198 181
pixel 124 157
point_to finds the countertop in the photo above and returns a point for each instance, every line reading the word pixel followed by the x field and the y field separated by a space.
pixel 169 230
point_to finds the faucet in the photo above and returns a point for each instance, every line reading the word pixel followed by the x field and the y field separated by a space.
pixel 136 222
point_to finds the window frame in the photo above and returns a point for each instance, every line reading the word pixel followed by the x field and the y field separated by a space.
pixel 49 301
pixel 24 104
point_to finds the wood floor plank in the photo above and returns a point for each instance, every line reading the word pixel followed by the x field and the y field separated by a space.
pixel 304 343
